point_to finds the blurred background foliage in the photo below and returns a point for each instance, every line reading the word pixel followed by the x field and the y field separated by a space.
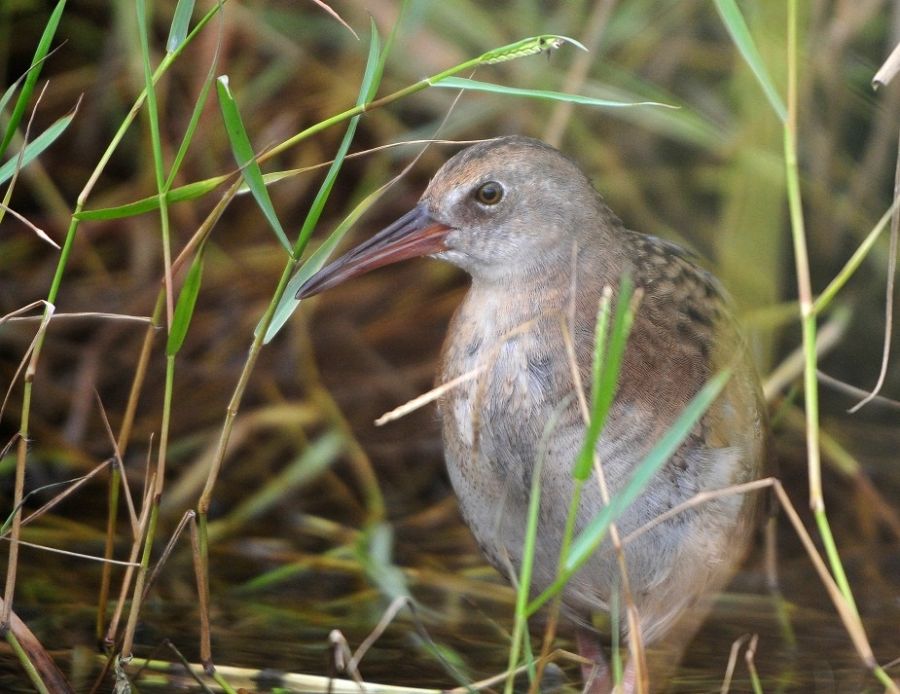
pixel 314 555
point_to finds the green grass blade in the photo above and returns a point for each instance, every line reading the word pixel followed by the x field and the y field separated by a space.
pixel 191 191
pixel 316 261
pixel 600 329
pixel 371 78
pixel 287 303
pixel 33 73
pixel 607 364
pixel 36 146
pixel 164 66
pixel 181 20
pixel 152 105
pixel 10 92
pixel 519 640
pixel 852 265
pixel 276 176
pixel 740 34
pixel 246 158
pixel 388 45
pixel 587 542
pixel 474 85
pixel 199 104
pixel 375 552
pixel 184 309
pixel 529 549
pixel 607 372
pixel 158 172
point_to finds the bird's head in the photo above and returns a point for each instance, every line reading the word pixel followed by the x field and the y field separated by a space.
pixel 499 209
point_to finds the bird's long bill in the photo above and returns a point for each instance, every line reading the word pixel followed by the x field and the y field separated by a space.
pixel 413 235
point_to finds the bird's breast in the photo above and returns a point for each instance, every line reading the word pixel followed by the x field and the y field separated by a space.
pixel 509 410
pixel 507 382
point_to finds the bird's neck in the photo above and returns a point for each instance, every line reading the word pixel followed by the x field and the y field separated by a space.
pixel 574 279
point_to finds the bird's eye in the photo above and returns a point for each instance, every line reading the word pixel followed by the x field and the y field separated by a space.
pixel 489 193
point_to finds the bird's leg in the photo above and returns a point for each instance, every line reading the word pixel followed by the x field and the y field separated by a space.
pixel 596 676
